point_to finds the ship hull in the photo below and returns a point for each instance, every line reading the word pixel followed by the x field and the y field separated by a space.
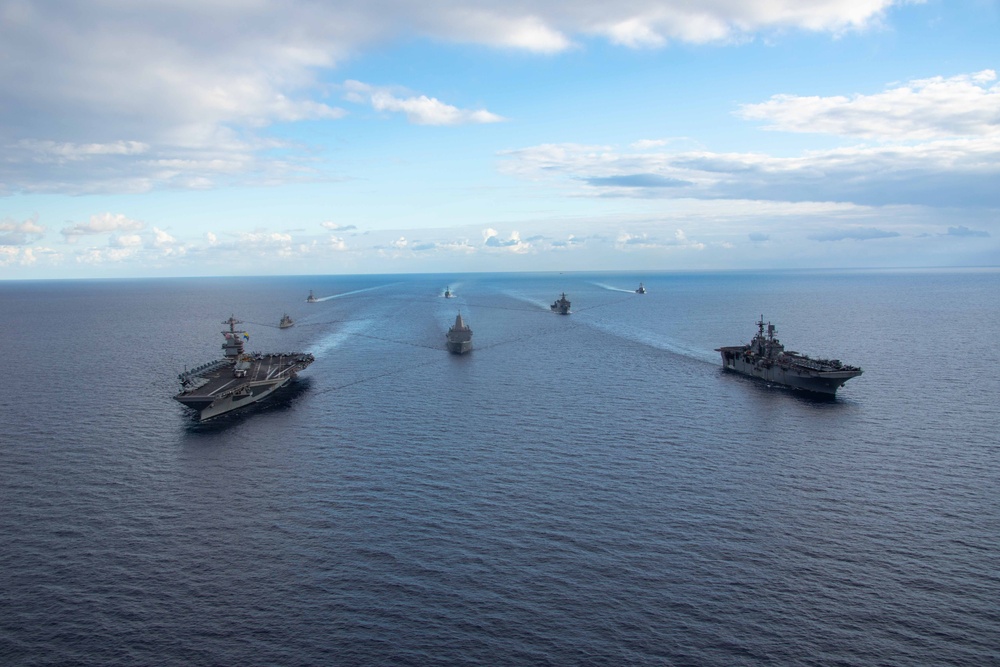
pixel 216 388
pixel 240 397
pixel 459 347
pixel 802 379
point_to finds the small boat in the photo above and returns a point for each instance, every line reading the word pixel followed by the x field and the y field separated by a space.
pixel 561 306
pixel 447 292
pixel 641 290
pixel 285 322
pixel 311 298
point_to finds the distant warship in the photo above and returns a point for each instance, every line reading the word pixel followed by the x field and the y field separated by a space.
pixel 561 306
pixel 459 337
pixel 311 298
pixel 447 293
pixel 239 379
pixel 285 322
pixel 765 358
pixel 641 290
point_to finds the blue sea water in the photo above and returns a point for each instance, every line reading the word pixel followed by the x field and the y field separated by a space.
pixel 581 490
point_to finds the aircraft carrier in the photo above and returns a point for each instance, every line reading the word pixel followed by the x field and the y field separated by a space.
pixel 238 379
pixel 765 358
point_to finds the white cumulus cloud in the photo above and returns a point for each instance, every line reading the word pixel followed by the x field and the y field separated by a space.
pixel 102 223
pixel 419 109
pixel 934 108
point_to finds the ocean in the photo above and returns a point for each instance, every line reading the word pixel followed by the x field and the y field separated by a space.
pixel 583 490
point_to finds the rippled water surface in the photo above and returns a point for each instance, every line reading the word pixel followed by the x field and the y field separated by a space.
pixel 581 490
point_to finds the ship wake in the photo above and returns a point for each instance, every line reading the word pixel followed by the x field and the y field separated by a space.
pixel 335 339
pixel 657 340
pixel 613 289
pixel 352 292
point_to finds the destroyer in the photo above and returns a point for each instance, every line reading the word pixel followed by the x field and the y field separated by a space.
pixel 765 358
pixel 459 337
pixel 311 298
pixel 285 322
pixel 641 290
pixel 561 306
pixel 447 293
pixel 239 379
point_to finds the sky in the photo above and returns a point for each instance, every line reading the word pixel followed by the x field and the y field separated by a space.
pixel 312 137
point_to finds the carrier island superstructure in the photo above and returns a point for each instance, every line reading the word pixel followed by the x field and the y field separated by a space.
pixel 766 358
pixel 239 378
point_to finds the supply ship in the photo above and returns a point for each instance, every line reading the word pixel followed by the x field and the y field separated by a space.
pixel 561 306
pixel 765 358
pixel 238 379
pixel 459 337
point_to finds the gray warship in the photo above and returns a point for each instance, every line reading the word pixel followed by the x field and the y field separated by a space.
pixel 641 290
pixel 286 321
pixel 766 358
pixel 238 379
pixel 447 293
pixel 311 298
pixel 459 337
pixel 561 306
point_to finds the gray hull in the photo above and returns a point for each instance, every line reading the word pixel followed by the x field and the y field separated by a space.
pixel 765 358
pixel 460 346
pixel 225 385
pixel 239 397
pixel 807 380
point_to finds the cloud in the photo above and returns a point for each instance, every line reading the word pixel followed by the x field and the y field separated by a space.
pixel 758 237
pixel 967 105
pixel 646 144
pixel 959 172
pixel 627 240
pixel 264 240
pixel 335 227
pixel 20 233
pixel 514 244
pixel 636 181
pixel 419 110
pixel 106 255
pixel 939 146
pixel 962 230
pixel 126 241
pixel 16 256
pixel 181 95
pixel 101 223
pixel 854 234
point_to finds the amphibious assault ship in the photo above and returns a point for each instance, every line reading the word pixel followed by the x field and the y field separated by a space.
pixel 765 358
pixel 459 337
pixel 238 379
pixel 561 306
